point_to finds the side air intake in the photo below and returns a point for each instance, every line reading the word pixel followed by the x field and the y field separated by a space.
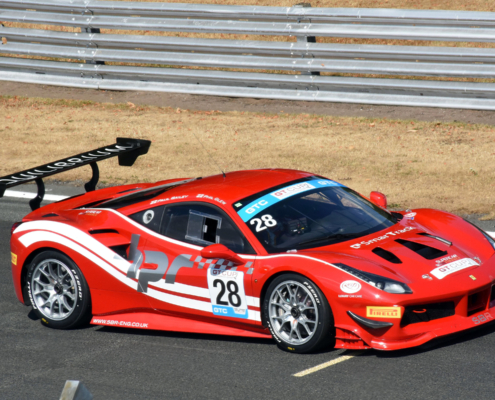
pixel 430 253
pixel 387 255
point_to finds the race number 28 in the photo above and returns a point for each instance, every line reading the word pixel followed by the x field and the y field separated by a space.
pixel 263 222
pixel 227 294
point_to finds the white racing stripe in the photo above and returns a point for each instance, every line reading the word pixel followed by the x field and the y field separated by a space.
pixel 28 195
pixel 40 231
pixel 327 364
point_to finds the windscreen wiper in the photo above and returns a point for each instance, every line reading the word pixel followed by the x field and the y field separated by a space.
pixel 337 236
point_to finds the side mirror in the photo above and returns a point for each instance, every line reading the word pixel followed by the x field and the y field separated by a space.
pixel 220 251
pixel 379 199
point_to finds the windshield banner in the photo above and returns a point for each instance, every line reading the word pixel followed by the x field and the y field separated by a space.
pixel 262 203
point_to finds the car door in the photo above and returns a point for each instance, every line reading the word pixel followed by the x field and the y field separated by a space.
pixel 185 283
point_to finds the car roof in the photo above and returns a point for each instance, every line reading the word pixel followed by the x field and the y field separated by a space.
pixel 235 185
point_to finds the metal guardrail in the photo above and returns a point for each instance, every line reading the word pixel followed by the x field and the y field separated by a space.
pixel 305 59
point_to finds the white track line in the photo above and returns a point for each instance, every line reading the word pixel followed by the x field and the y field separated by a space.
pixel 28 195
pixel 327 364
pixel 55 197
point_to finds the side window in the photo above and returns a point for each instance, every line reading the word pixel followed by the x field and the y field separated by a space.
pixel 203 225
pixel 150 218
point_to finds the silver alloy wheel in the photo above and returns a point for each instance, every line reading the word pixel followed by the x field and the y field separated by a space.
pixel 54 289
pixel 293 313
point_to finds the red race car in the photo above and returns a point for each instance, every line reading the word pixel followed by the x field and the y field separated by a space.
pixel 261 253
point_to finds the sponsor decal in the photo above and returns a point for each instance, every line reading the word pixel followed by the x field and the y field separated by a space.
pixel 204 196
pixel 238 204
pixel 228 298
pixel 148 216
pixel 292 190
pixel 78 283
pixel 479 319
pixel 13 257
pixel 383 312
pixel 350 286
pixel 447 269
pixel 90 212
pixel 383 237
pixel 447 259
pixel 169 199
pixel 33 304
pixel 426 276
pixel 410 215
pixel 253 208
pixel 472 277
pixel 111 322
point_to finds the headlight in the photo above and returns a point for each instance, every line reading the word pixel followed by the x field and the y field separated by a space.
pixel 380 282
pixel 488 237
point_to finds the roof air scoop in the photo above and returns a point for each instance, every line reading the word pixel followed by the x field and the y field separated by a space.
pixel 430 253
pixel 387 255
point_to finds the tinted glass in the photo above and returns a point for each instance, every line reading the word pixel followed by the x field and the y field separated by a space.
pixel 203 225
pixel 150 218
pixel 311 214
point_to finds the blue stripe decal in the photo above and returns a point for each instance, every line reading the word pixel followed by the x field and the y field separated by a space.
pixel 262 203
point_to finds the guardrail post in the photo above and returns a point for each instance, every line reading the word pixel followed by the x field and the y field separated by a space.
pixel 92 30
pixel 306 39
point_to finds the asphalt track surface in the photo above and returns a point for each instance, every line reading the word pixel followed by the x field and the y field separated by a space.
pixel 117 363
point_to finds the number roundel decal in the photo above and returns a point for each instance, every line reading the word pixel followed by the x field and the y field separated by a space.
pixel 228 298
pixel 263 222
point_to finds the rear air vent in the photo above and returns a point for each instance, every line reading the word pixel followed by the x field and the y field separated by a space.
pixel 128 190
pixel 445 241
pixel 430 253
pixel 50 215
pixel 100 231
pixel 92 204
pixel 387 255
pixel 121 250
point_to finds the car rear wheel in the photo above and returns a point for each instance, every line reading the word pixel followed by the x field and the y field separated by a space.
pixel 298 314
pixel 58 291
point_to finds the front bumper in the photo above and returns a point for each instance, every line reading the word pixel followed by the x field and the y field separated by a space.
pixel 467 314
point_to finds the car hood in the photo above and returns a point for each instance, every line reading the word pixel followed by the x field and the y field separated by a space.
pixel 406 252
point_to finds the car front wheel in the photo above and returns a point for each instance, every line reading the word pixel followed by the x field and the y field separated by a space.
pixel 58 291
pixel 298 314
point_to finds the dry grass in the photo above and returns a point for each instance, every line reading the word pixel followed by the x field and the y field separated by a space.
pixel 417 164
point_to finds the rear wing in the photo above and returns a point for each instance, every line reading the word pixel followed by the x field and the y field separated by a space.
pixel 126 149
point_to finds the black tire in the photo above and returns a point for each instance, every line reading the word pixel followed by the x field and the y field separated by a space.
pixel 54 276
pixel 305 305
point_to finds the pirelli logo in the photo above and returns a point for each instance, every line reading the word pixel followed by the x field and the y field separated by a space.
pixel 383 312
pixel 14 258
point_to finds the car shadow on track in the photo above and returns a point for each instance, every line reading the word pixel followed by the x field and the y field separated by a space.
pixel 184 335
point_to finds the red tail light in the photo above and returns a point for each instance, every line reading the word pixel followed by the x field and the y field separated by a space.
pixel 16 224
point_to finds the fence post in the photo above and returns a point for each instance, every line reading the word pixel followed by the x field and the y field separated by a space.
pixel 92 30
pixel 306 39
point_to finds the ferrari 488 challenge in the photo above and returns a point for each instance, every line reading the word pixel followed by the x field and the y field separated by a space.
pixel 260 253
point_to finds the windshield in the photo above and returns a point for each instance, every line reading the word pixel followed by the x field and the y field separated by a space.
pixel 310 213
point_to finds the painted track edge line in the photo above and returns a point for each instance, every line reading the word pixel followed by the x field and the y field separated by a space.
pixel 327 364
pixel 30 195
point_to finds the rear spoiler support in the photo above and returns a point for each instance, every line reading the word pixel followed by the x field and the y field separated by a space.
pixel 126 149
